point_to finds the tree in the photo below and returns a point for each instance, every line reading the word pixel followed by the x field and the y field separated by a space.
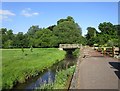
pixel 118 34
pixel 69 18
pixel 91 32
pixel 20 40
pixel 60 21
pixel 108 32
pixel 10 34
pixel 8 44
pixel 44 38
pixel 67 31
pixel 3 36
pixel 51 27
pixel 79 28
pixel 32 30
pixel 107 28
pixel 31 34
pixel 90 36
pixel 107 35
pixel 102 39
pixel 31 49
pixel 7 38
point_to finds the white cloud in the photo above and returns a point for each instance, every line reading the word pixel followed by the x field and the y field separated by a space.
pixel 35 13
pixel 28 12
pixel 5 18
pixel 4 15
pixel 6 12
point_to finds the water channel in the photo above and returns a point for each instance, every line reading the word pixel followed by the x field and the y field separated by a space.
pixel 50 73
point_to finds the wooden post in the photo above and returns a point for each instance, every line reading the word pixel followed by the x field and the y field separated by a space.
pixel 113 51
pixel 104 50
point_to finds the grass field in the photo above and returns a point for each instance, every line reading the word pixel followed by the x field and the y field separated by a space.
pixel 18 66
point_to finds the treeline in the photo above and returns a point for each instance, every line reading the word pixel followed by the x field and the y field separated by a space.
pixel 67 31
pixel 108 35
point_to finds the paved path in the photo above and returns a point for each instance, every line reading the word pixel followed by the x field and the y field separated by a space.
pixel 97 71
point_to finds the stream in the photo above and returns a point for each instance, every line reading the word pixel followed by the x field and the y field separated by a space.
pixel 48 74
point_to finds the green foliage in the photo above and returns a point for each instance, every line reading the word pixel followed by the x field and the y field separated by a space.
pixel 108 35
pixel 61 80
pixel 51 27
pixel 76 53
pixel 22 49
pixel 8 44
pixel 7 37
pixel 32 30
pixel 66 31
pixel 44 38
pixel 107 28
pixel 118 34
pixel 90 36
pixel 31 49
pixel 91 32
pixel 112 42
pixel 69 18
pixel 17 68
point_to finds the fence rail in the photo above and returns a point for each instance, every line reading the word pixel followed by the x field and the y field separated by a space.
pixel 111 51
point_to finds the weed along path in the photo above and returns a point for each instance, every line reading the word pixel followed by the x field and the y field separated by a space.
pixel 96 71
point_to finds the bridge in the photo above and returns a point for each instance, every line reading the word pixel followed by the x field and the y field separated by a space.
pixel 69 46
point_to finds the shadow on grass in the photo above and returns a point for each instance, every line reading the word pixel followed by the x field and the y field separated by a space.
pixel 116 65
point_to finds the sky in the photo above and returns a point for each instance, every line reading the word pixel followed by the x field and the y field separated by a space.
pixel 20 16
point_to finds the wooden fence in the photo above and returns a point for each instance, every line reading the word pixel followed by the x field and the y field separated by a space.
pixel 111 51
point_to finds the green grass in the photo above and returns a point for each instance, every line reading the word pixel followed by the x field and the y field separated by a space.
pixel 61 80
pixel 18 66
pixel 0 70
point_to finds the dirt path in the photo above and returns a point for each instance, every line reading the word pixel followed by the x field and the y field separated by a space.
pixel 97 71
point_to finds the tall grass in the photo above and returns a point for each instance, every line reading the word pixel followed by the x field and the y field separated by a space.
pixel 18 66
pixel 61 80
pixel 0 70
pixel 76 53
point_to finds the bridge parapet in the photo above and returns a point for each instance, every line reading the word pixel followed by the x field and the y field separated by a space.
pixel 69 46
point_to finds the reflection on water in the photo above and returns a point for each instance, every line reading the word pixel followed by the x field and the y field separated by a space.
pixel 48 75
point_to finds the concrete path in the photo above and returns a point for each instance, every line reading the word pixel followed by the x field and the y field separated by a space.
pixel 98 72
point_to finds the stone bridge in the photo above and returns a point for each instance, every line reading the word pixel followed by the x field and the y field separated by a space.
pixel 69 46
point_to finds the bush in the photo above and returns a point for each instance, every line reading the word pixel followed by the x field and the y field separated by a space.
pixel 76 53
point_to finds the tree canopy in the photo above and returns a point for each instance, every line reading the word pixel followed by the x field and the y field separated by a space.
pixel 66 31
pixel 108 34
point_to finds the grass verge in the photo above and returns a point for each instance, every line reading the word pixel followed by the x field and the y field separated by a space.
pixel 76 53
pixel 17 66
pixel 62 80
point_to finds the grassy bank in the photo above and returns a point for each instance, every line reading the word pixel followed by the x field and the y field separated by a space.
pixel 76 53
pixel 62 80
pixel 18 65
